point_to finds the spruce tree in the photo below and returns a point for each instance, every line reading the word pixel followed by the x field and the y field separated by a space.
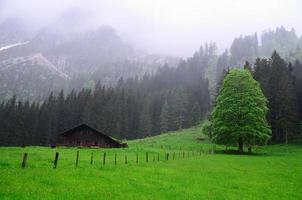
pixel 180 108
pixel 145 123
pixel 195 114
pixel 297 71
pixel 247 66
pixel 164 118
pixel 277 83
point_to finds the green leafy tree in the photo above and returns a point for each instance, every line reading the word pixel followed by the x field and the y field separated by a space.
pixel 239 116
pixel 207 129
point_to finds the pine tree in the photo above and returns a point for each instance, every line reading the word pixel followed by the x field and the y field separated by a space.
pixel 181 109
pixel 247 66
pixel 164 118
pixel 195 114
pixel 283 100
pixel 262 73
pixel 145 123
pixel 287 118
pixel 277 84
pixel 297 72
pixel 222 65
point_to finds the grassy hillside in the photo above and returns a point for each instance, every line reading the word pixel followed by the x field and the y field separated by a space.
pixel 273 173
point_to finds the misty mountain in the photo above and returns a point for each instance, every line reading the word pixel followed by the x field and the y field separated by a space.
pixel 71 52
pixel 57 56
pixel 29 77
pixel 66 55
pixel 12 31
pixel 82 52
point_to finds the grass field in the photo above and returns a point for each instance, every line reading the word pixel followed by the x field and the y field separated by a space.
pixel 275 172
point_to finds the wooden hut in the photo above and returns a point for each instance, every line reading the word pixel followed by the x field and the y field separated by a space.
pixel 87 136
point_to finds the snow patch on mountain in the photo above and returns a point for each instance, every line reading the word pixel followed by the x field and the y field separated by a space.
pixel 45 62
pixel 36 59
pixel 13 45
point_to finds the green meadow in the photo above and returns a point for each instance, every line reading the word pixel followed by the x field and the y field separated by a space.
pixel 191 171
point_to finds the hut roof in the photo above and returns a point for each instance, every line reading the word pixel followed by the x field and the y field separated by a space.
pixel 85 126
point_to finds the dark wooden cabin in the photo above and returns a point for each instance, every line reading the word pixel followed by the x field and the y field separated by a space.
pixel 87 136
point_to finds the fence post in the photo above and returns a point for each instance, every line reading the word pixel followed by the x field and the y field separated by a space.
pixel 77 159
pixel 173 155
pixel 183 154
pixel 104 158
pixel 56 160
pixel 115 159
pixel 147 157
pixel 126 161
pixel 91 159
pixel 137 158
pixel 24 160
pixel 167 156
pixel 157 157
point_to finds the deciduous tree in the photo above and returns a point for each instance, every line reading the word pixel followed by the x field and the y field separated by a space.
pixel 239 116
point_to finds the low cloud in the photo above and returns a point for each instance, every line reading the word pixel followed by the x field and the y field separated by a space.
pixel 172 27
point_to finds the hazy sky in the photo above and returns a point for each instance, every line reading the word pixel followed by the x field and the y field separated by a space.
pixel 173 27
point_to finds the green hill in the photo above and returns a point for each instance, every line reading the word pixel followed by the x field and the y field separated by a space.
pixel 273 173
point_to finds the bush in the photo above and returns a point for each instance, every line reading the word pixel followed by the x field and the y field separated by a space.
pixel 207 129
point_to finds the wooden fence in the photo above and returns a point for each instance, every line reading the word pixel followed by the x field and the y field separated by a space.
pixel 175 155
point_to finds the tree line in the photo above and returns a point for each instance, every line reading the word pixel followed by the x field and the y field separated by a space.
pixel 170 99
pixel 258 104
pixel 279 75
pixel 249 47
pixel 281 83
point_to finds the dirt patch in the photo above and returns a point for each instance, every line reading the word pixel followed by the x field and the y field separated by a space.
pixel 201 138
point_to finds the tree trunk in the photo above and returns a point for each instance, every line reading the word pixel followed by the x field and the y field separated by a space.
pixel 250 150
pixel 240 145
pixel 286 137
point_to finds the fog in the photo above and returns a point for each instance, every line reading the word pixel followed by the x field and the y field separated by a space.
pixel 170 27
